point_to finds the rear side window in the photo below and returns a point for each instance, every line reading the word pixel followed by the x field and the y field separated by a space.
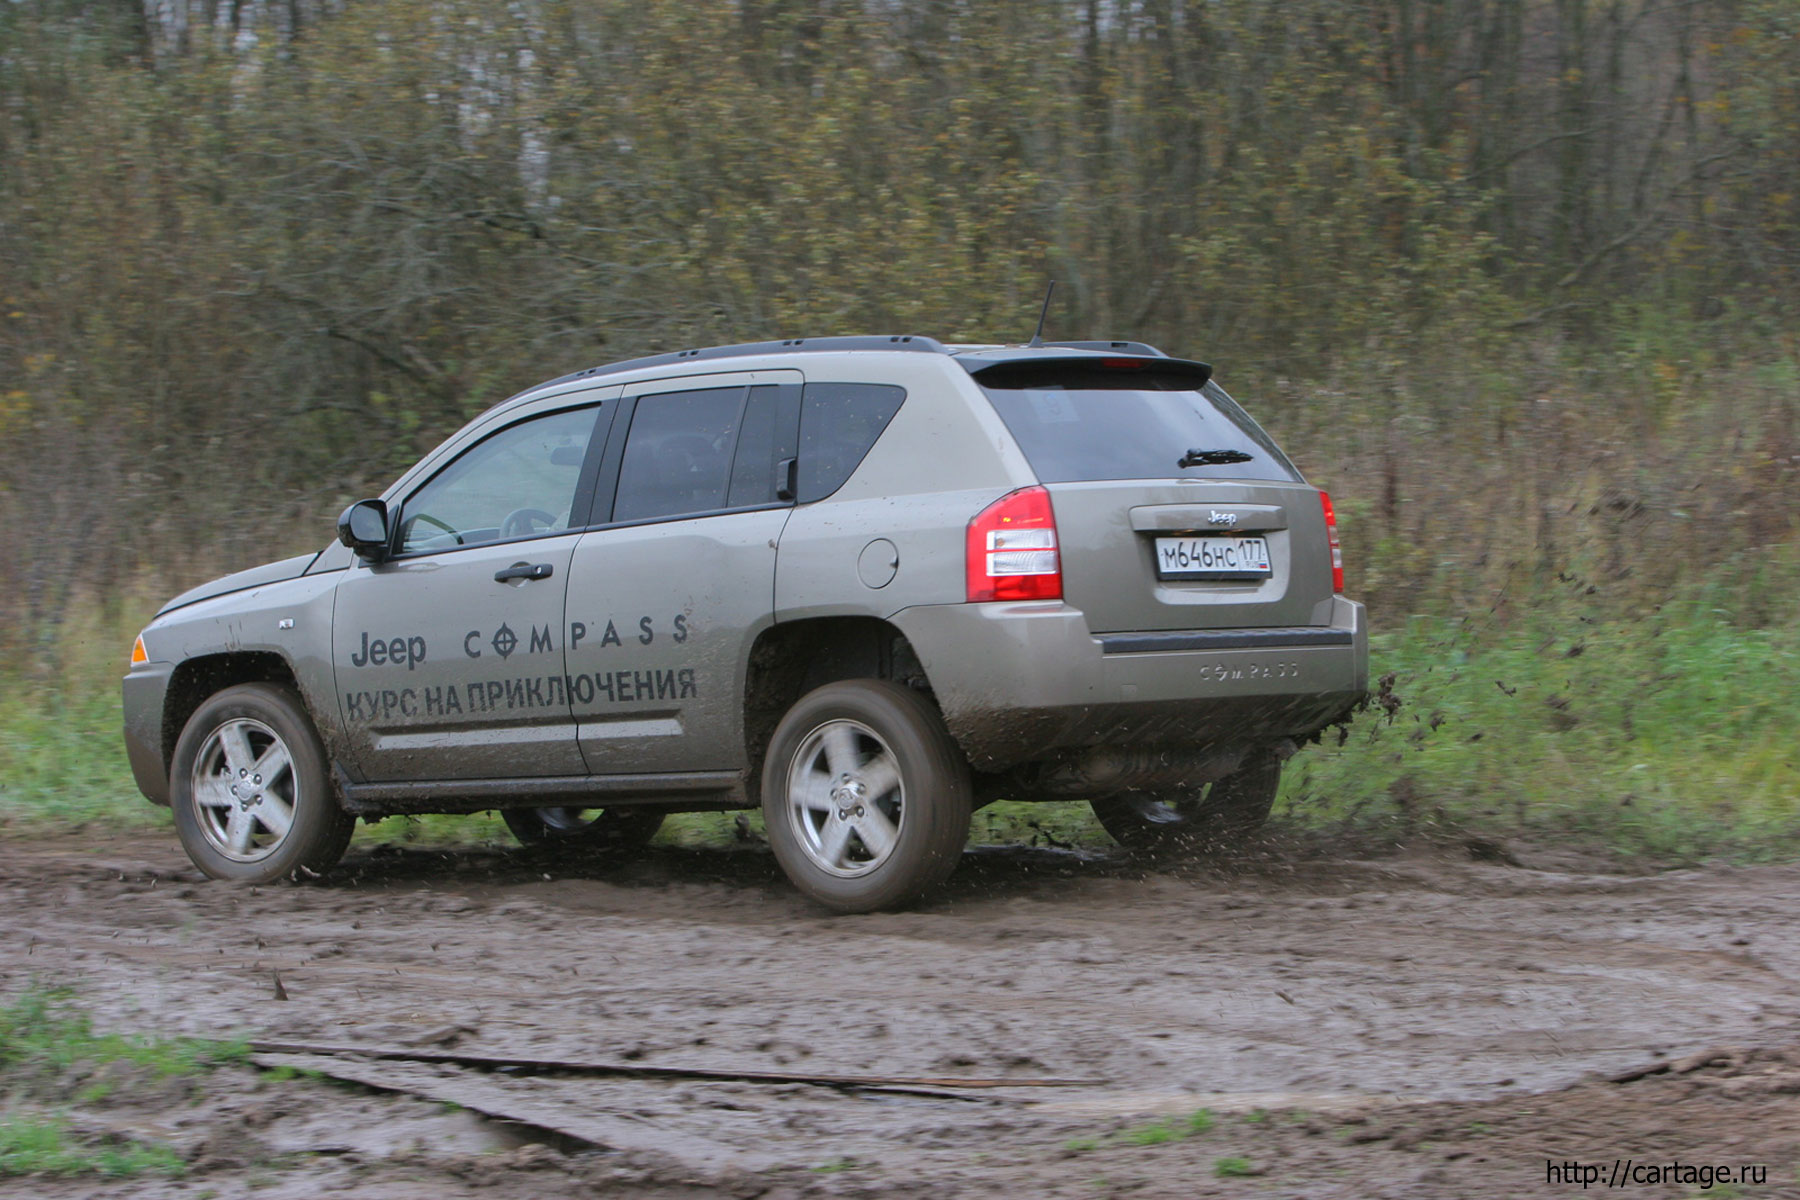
pixel 1077 423
pixel 678 454
pixel 838 424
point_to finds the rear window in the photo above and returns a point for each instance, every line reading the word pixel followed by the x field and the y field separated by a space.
pixel 1079 423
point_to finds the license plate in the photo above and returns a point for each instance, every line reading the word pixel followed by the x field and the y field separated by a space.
pixel 1212 558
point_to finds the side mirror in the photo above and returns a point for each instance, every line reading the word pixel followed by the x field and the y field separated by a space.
pixel 364 528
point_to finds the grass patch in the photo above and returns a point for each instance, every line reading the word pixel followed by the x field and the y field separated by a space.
pixel 1232 1167
pixel 1152 1135
pixel 1669 734
pixel 1156 1133
pixel 712 830
pixel 52 1060
pixel 43 1041
pixel 472 831
pixel 1059 824
pixel 44 1146
pixel 62 761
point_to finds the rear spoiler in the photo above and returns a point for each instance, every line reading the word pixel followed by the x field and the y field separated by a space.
pixel 1012 371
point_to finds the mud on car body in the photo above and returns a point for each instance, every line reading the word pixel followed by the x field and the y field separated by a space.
pixel 865 583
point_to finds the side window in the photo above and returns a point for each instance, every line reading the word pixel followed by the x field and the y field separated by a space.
pixel 838 424
pixel 678 453
pixel 518 483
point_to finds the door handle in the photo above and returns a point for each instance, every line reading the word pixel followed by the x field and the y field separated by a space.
pixel 524 571
pixel 788 473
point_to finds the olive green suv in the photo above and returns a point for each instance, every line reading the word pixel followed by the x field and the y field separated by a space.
pixel 866 583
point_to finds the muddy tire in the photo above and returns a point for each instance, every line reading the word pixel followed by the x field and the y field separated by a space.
pixel 609 828
pixel 1227 810
pixel 252 798
pixel 866 796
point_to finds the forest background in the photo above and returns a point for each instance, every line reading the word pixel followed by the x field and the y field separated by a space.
pixel 1515 280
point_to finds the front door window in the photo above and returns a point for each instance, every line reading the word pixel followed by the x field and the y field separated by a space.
pixel 519 483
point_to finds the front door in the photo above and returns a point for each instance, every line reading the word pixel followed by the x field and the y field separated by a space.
pixel 449 656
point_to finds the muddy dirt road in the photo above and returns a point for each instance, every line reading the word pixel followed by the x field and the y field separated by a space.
pixel 1418 1025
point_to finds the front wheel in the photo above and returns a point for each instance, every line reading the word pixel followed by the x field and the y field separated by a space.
pixel 1227 810
pixel 622 828
pixel 249 788
pixel 866 796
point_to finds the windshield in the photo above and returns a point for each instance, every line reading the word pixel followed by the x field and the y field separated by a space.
pixel 1076 424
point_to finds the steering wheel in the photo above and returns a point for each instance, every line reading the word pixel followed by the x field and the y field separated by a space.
pixel 523 522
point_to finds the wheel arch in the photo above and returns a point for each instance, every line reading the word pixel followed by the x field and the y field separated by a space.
pixel 791 658
pixel 195 679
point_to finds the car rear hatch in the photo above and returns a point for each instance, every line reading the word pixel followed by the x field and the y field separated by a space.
pixel 1173 509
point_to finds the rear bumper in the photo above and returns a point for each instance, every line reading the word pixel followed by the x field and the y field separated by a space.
pixel 1020 682
pixel 145 690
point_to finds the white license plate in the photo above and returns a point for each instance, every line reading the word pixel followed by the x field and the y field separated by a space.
pixel 1212 558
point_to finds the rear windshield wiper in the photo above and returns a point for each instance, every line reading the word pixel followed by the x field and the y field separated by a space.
pixel 1212 458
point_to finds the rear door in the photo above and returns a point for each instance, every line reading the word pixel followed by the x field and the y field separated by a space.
pixel 1174 510
pixel 665 599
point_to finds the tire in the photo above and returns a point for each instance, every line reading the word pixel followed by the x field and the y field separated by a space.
pixel 866 797
pixel 252 798
pixel 619 828
pixel 1226 811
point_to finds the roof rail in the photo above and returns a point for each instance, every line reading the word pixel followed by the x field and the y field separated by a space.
pixel 786 346
pixel 1142 348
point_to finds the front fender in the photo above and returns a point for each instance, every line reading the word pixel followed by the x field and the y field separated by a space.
pixel 199 648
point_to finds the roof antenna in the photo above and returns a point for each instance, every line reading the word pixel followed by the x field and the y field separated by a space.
pixel 1037 339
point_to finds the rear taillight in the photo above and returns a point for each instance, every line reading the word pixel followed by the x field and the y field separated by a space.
pixel 1011 549
pixel 1337 551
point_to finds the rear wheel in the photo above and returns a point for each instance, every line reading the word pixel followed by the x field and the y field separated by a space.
pixel 866 796
pixel 621 827
pixel 249 788
pixel 1225 811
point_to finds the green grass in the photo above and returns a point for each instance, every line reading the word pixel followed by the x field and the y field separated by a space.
pixel 43 1146
pixel 1232 1167
pixel 1156 1133
pixel 1671 734
pixel 43 1039
pixel 62 749
pixel 52 1060
pixel 1061 825
pixel 62 760
pixel 1152 1135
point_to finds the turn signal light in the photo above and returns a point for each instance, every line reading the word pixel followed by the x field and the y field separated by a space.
pixel 1011 549
pixel 138 653
pixel 1337 551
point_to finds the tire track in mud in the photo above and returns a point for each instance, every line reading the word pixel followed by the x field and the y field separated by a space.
pixel 1320 983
